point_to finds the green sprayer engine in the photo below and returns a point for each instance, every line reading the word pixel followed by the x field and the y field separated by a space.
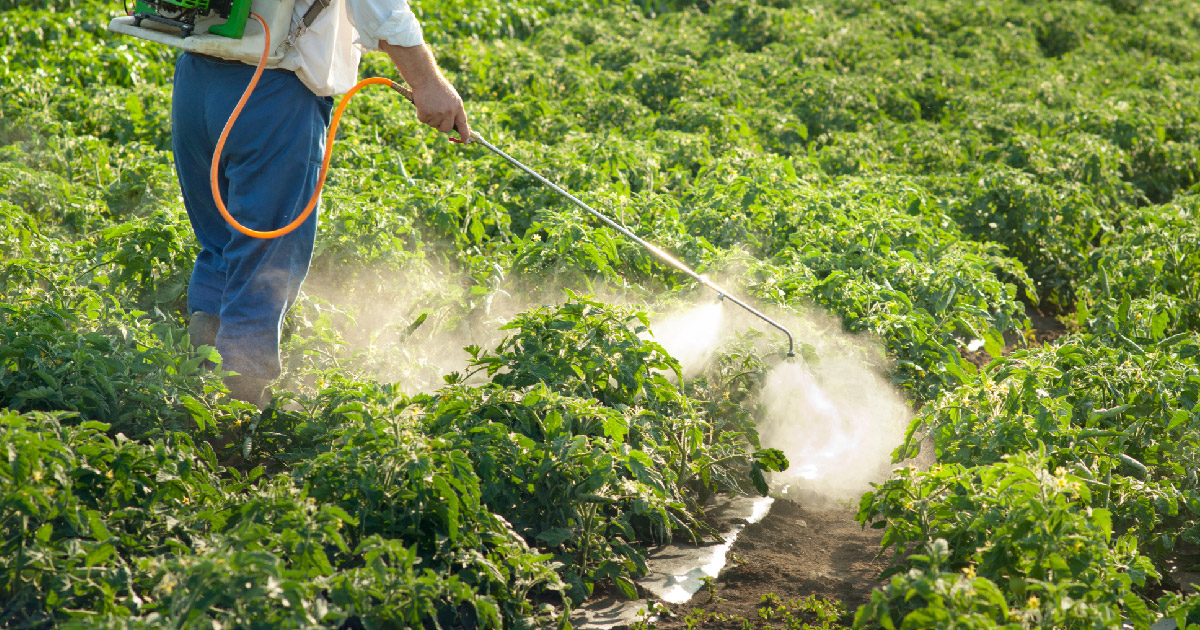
pixel 183 14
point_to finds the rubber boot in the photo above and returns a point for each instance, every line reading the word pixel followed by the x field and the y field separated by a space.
pixel 249 389
pixel 202 329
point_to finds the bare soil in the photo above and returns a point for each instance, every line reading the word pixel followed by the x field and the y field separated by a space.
pixel 1182 573
pixel 794 552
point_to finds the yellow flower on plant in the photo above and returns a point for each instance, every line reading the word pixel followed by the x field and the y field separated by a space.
pixel 1033 602
pixel 969 572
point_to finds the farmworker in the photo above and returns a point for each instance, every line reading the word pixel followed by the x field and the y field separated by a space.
pixel 241 287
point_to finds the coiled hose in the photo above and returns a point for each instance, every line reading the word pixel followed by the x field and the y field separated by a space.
pixel 337 116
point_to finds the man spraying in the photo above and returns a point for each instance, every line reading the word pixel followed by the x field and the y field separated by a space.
pixel 241 287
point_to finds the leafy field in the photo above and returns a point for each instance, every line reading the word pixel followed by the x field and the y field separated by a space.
pixel 926 172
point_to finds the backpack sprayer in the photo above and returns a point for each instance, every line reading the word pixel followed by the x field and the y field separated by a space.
pixel 221 28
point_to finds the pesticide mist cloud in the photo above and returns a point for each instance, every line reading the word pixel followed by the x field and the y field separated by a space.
pixel 691 336
pixel 837 422
pixel 837 418
pixel 379 305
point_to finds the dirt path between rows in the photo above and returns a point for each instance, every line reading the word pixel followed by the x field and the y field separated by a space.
pixel 793 552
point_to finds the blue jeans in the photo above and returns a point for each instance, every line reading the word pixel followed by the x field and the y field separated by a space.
pixel 268 171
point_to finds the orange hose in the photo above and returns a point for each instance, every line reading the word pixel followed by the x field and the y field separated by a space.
pixel 337 115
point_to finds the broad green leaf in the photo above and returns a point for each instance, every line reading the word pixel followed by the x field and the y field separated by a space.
pixel 1158 325
pixel 556 536
pixel 615 427
pixel 626 586
pixel 759 481
pixel 99 531
pixel 451 503
pixel 99 555
pixel 1178 419
pixel 993 344
pixel 771 459
pixel 1139 613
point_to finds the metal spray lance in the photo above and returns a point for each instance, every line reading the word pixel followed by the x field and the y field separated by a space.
pixel 654 249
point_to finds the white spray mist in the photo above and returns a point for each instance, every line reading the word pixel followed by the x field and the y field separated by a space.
pixel 691 337
pixel 837 418
pixel 384 302
pixel 837 423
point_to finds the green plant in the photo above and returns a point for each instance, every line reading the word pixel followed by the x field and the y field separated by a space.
pixel 921 172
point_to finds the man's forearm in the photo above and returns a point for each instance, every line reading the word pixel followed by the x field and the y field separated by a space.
pixel 415 63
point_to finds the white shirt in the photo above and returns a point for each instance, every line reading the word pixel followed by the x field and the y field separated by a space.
pixel 326 56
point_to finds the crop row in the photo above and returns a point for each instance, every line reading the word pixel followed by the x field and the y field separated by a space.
pixel 926 172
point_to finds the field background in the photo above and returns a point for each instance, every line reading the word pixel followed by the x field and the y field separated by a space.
pixel 931 174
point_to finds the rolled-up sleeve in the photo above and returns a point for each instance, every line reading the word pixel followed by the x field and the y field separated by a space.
pixel 385 20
